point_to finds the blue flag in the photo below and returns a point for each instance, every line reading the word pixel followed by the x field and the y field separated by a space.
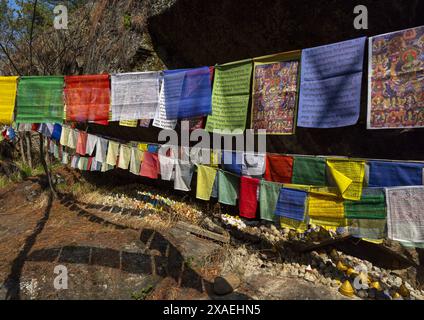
pixel 330 84
pixel 57 131
pixel 232 161
pixel 291 204
pixel 187 93
pixel 395 174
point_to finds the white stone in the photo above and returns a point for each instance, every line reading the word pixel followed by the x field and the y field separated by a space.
pixel 309 277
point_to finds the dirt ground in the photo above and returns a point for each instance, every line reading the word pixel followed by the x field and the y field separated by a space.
pixel 112 256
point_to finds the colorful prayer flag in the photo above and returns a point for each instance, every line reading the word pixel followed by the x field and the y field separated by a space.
pixel 248 197
pixel 187 93
pixel 8 89
pixel 40 100
pixel 230 96
pixel 124 157
pixel 405 218
pixel 87 98
pixel 278 168
pixel 112 153
pixel 205 181
pixel 150 166
pixel 330 87
pixel 134 95
pixel 291 204
pixel 371 206
pixel 396 80
pixel 275 91
pixel 183 175
pixel 228 188
pixel 268 197
pixel 309 171
pixel 394 174
pixel 348 176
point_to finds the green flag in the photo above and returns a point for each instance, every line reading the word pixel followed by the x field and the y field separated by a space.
pixel 375 229
pixel 40 100
pixel 268 197
pixel 228 188
pixel 230 96
pixel 371 206
pixel 309 171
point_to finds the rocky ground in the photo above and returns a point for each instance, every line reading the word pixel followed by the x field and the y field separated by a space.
pixel 128 244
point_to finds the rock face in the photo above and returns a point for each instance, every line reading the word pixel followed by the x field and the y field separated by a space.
pixel 226 284
pixel 194 33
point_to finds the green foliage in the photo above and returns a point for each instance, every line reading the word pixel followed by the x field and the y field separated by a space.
pixel 4 182
pixel 189 262
pixel 26 171
pixel 127 21
pixel 143 293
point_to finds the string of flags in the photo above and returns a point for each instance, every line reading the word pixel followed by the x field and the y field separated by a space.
pixel 315 87
pixel 371 199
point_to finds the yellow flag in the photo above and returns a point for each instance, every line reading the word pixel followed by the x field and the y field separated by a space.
pixel 326 191
pixel 348 175
pixel 215 154
pixel 142 147
pixel 326 210
pixel 380 241
pixel 297 186
pixel 329 223
pixel 8 87
pixel 299 226
pixel 128 123
pixel 325 206
pixel 205 179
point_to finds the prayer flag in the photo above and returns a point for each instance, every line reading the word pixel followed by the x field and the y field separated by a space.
pixel 230 97
pixel 396 80
pixel 275 90
pixel 248 197
pixel 8 89
pixel 40 100
pixel 87 98
pixel 134 95
pixel 330 87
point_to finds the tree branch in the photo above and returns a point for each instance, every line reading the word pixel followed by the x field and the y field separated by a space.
pixel 31 34
pixel 10 59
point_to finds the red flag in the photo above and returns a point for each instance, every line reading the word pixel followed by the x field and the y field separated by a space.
pixel 279 168
pixel 150 166
pixel 87 98
pixel 248 197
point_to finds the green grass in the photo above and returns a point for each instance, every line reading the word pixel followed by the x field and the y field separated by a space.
pixel 25 171
pixel 4 182
pixel 143 293
pixel 127 21
pixel 190 262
